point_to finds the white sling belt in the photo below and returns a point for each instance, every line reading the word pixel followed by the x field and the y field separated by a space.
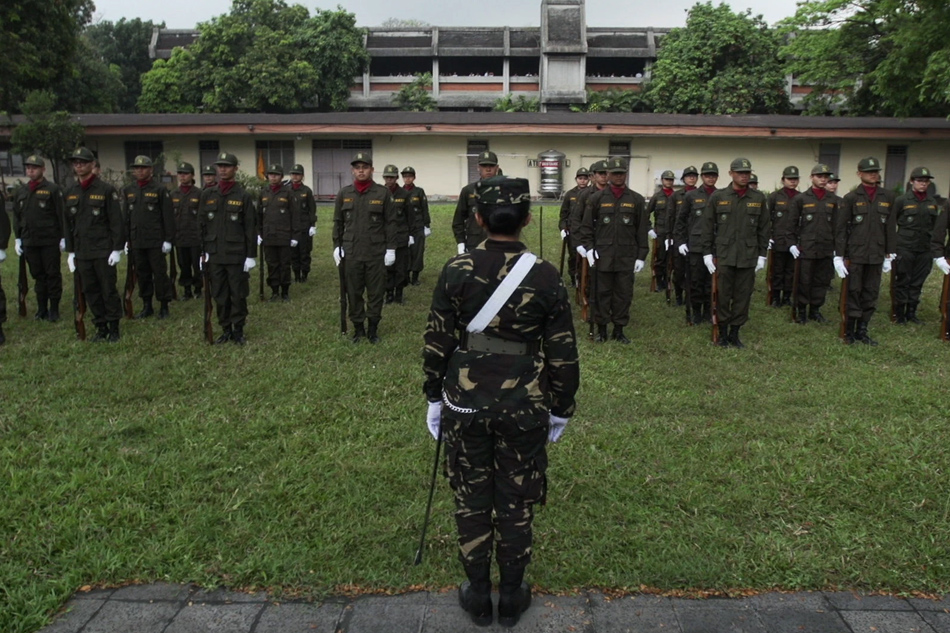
pixel 502 293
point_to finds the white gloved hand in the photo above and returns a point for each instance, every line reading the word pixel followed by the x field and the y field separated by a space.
pixel 771 244
pixel 427 231
pixel 794 251
pixel 62 245
pixel 18 247
pixel 434 418
pixel 126 248
pixel 260 240
pixel 412 240
pixel 564 234
pixel 684 250
pixel 203 261
pixel 582 251
pixel 3 255
pixel 71 262
pixel 760 264
pixel 337 255
pixel 556 427
pixel 461 247
pixel 312 231
pixel 652 234
pixel 941 263
pixel 886 268
pixel 390 257
pixel 668 243
pixel 710 266
pixel 293 243
pixel 249 263
pixel 637 266
pixel 166 247
pixel 840 267
pixel 114 258
pixel 592 257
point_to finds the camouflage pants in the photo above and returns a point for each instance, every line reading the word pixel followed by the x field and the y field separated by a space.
pixel 497 471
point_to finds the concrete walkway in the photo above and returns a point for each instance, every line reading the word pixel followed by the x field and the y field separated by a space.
pixel 165 608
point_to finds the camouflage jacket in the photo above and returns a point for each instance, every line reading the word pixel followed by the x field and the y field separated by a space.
pixel 524 387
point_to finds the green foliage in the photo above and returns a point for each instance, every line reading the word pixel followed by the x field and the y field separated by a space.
pixel 50 133
pixel 720 63
pixel 872 57
pixel 402 23
pixel 614 100
pixel 90 85
pixel 164 88
pixel 123 45
pixel 521 103
pixel 416 96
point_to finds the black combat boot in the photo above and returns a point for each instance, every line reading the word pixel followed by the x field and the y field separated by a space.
pixel 734 337
pixel 371 334
pixel 389 297
pixel 225 336
pixel 800 314
pixel 414 278
pixel 274 294
pixel 514 595
pixel 187 295
pixel 861 334
pixel 814 314
pixel 707 316
pixel 3 338
pixel 618 335
pixel 849 331
pixel 697 313
pixel 297 276
pixel 53 311
pixel 912 313
pixel 601 333
pixel 397 298
pixel 303 276
pixel 786 299
pixel 723 336
pixel 147 309
pixel 238 336
pixel 197 292
pixel 475 593
pixel 113 327
pixel 285 293
pixel 776 299
pixel 163 311
pixel 102 334
pixel 679 296
pixel 359 332
pixel 42 314
pixel 900 316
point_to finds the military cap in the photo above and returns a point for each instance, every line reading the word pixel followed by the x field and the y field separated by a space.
pixel 832 177
pixel 408 170
pixel 83 154
pixel 185 168
pixel 710 168
pixel 790 172
pixel 226 159
pixel 275 169
pixel 921 172
pixel 617 166
pixel 35 161
pixel 141 161
pixel 667 175
pixel 753 179
pixel 869 164
pixel 362 157
pixel 583 171
pixel 600 165
pixel 502 190
pixel 691 171
pixel 209 171
pixel 390 171
pixel 487 158
pixel 297 169
pixel 741 165
pixel 820 169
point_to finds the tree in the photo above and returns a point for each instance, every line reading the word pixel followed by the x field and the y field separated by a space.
pixel 872 57
pixel 50 133
pixel 39 39
pixel 521 103
pixel 720 63
pixel 613 100
pixel 400 23
pixel 90 85
pixel 416 96
pixel 124 45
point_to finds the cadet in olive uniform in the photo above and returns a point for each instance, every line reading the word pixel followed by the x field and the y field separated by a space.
pixel 659 208
pixel 302 196
pixel 185 203
pixel 582 178
pixel 280 229
pixel 498 395
pixel 783 264
pixel 418 208
pixel 151 229
pixel 38 223
pixel 916 212
pixel 598 172
pixel 468 234
pixel 866 233
pixel 364 241
pixel 690 177
pixel 754 182
pixel 735 229
pixel 940 246
pixel 397 275
pixel 209 177
pixel 4 242
pixel 687 235
pixel 613 235
pixel 832 185
pixel 812 241
pixel 228 221
pixel 95 236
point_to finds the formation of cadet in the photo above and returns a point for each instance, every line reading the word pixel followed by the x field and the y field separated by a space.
pixel 811 243
pixel 418 208
pixel 916 213
pixel 659 210
pixel 689 178
pixel 397 273
pixel 783 263
pixel 582 178
pixel 280 227
pixel 687 238
pixel 302 196
pixel 468 233
pixel 185 203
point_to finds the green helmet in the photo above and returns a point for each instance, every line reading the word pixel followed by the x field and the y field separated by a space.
pixel 226 159
pixel 487 158
pixel 820 169
pixel 297 169
pixel 668 175
pixel 692 171
pixel 83 154
pixel 185 168
pixel 742 165
pixel 710 168
pixel 35 161
pixel 275 169
pixel 362 157
pixel 141 161
pixel 208 170
pixel 408 170
pixel 921 172
pixel 390 171
pixel 617 166
pixel 790 172
pixel 869 164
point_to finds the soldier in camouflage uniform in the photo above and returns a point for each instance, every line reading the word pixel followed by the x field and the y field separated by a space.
pixel 582 178
pixel 302 196
pixel 185 201
pixel 659 209
pixel 280 229
pixel 397 275
pixel 812 242
pixel 687 235
pixel 690 177
pixel 783 263
pixel 916 212
pixel 418 206
pixel 498 396
pixel 468 234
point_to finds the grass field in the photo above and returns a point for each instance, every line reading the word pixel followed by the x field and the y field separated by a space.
pixel 300 462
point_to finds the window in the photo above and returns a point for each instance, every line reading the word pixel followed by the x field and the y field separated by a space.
pixel 474 149
pixel 331 163
pixel 152 149
pixel 207 153
pixel 619 148
pixel 270 152
pixel 895 167
pixel 10 164
pixel 830 154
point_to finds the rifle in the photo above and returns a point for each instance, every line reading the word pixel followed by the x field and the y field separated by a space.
pixel 130 280
pixel 653 261
pixel 893 295
pixel 541 232
pixel 714 308
pixel 260 289
pixel 580 294
pixel 342 269
pixel 22 287
pixel 563 252
pixel 768 278
pixel 794 301
pixel 670 272
pixel 79 307
pixel 945 309
pixel 843 305
pixel 687 278
pixel 209 306
pixel 173 273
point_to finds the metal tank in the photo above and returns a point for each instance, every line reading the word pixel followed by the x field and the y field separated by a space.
pixel 551 164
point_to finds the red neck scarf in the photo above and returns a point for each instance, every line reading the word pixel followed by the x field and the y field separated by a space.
pixel 85 184
pixel 296 185
pixel 740 192
pixel 690 188
pixel 921 196
pixel 667 192
pixel 408 187
pixel 871 191
pixel 791 193
pixel 617 191
pixel 143 183
pixel 362 186
pixel 276 188
pixel 185 189
pixel 36 184
pixel 709 190
pixel 392 188
pixel 225 186
pixel 819 192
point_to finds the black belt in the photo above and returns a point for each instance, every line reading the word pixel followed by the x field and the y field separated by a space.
pixel 473 342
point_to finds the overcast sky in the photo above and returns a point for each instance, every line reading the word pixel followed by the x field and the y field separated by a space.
pixel 183 14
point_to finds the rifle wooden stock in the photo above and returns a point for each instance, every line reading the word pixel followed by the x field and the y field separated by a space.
pixel 209 305
pixel 79 307
pixel 794 301
pixel 714 300
pixel 130 280
pixel 653 261
pixel 687 278
pixel 23 287
pixel 563 253
pixel 768 278
pixel 260 276
pixel 580 296
pixel 173 273
pixel 541 232
pixel 843 306
pixel 669 276
pixel 342 270
pixel 945 309
pixel 893 274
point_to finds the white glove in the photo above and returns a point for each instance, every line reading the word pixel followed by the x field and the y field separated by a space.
pixel 249 263
pixel 62 245
pixel 637 266
pixel 564 234
pixel 434 418
pixel 592 256
pixel 942 264
pixel 126 248
pixel 293 243
pixel 582 251
pixel 427 231
pixel 771 244
pixel 760 264
pixel 886 268
pixel 556 427
pixel 312 231
pixel 390 257
pixel 668 243
pixel 203 261
pixel 337 255
pixel 652 234
pixel 684 250
pixel 18 247
pixel 115 257
pixel 166 247
pixel 461 247
pixel 260 240
pixel 412 240
pixel 71 262
pixel 794 251
pixel 3 255
pixel 840 267
pixel 710 266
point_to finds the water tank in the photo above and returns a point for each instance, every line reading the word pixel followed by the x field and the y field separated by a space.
pixel 551 164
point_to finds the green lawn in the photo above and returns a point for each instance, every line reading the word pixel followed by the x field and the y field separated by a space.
pixel 300 462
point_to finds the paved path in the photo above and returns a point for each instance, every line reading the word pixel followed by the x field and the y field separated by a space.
pixel 166 608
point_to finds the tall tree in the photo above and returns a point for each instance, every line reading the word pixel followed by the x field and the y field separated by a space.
pixel 51 133
pixel 90 84
pixel 124 45
pixel 416 96
pixel 720 63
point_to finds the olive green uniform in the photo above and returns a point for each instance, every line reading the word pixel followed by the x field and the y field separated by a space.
pixel 689 230
pixel 185 202
pixel 783 263
pixel 811 228
pixel 397 275
pixel 418 205
pixel 915 223
pixel 38 219
pixel 280 220
pixel 301 259
pixel 464 225
pixel 4 242
pixel 564 224
pixel 939 243
pixel 659 209
pixel 679 262
pixel 151 221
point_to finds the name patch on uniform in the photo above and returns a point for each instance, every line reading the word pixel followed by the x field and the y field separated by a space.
pixel 234 203
pixel 626 205
pixel 753 205
pixel 347 200
pixel 151 194
pixel 72 198
pixel 42 192
pixel 810 205
pixel 96 197
pixel 376 202
pixel 885 204
pixel 911 206
pixel 282 199
pixel 607 204
pixel 724 203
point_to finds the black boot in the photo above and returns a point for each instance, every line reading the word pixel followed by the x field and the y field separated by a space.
pixel 734 337
pixel 3 338
pixel 723 336
pixel 389 296
pixel 849 331
pixel 900 316
pixel 475 593
pixel 601 333
pixel 238 336
pixel 679 296
pixel 776 299
pixel 414 278
pixel 102 334
pixel 197 292
pixel 359 332
pixel 285 293
pixel 800 314
pixel 113 327
pixel 697 313
pixel 618 335
pixel 187 295
pixel 371 331
pixel 814 314
pixel 274 294
pixel 42 314
pixel 225 336
pixel 53 311
pixel 707 316
pixel 147 309
pixel 397 298
pixel 514 596
pixel 303 276
pixel 912 313
pixel 786 299
pixel 163 311
pixel 297 276
pixel 861 334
